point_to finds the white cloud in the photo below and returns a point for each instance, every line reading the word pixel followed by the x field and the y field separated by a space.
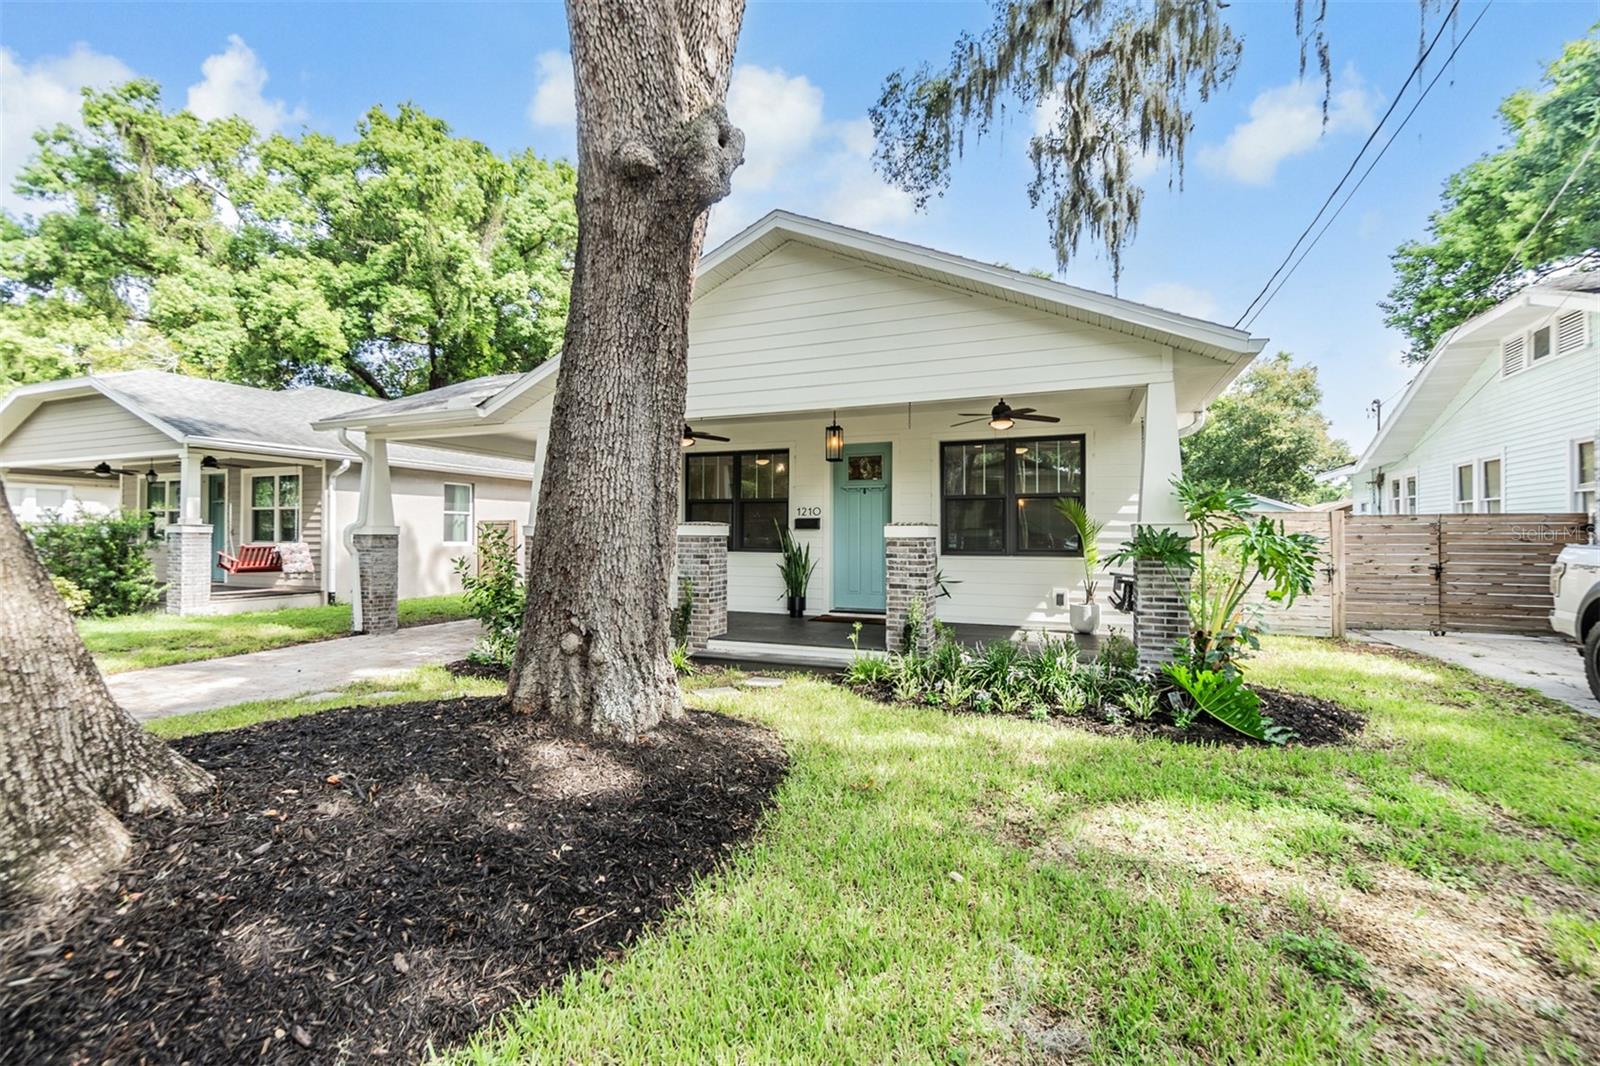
pixel 554 101
pixel 231 84
pixel 1286 121
pixel 41 95
pixel 1182 299
pixel 796 158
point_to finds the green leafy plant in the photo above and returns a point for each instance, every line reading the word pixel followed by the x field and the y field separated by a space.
pixel 1119 653
pixel 682 664
pixel 942 583
pixel 1156 544
pixel 75 598
pixel 495 595
pixel 795 564
pixel 1088 530
pixel 1224 697
pixel 683 612
pixel 106 558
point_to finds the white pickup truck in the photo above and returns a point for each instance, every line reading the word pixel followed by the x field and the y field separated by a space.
pixel 1575 584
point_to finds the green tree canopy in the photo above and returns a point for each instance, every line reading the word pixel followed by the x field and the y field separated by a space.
pixel 1267 435
pixel 1492 208
pixel 405 259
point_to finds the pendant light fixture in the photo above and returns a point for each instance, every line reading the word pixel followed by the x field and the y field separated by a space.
pixel 833 441
pixel 150 475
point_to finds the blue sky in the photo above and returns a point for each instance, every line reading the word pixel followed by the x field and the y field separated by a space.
pixel 1260 160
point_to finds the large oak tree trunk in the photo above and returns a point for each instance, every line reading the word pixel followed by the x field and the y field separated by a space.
pixel 71 760
pixel 655 150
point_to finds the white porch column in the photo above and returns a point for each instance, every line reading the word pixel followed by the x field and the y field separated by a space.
pixel 375 543
pixel 533 505
pixel 188 545
pixel 1163 462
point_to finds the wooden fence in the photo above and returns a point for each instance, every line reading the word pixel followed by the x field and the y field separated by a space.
pixel 1444 573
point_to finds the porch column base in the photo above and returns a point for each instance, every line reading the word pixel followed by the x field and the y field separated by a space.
pixel 703 578
pixel 910 561
pixel 527 551
pixel 1160 613
pixel 188 569
pixel 378 564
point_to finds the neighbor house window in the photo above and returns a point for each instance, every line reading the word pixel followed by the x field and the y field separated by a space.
pixel 1490 490
pixel 1464 489
pixel 163 500
pixel 1411 494
pixel 747 490
pixel 457 513
pixel 1541 343
pixel 998 497
pixel 1396 500
pixel 274 507
pixel 1583 476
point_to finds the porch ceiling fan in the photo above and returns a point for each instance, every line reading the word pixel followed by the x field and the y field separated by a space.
pixel 1004 416
pixel 105 469
pixel 211 462
pixel 690 435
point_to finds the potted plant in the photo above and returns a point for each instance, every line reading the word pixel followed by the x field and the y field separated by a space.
pixel 796 566
pixel 1085 615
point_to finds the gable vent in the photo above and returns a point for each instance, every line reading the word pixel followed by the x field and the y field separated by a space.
pixel 1569 332
pixel 1513 356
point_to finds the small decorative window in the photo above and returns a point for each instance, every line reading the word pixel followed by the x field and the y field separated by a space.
pixel 1583 476
pixel 1513 356
pixel 1541 343
pixel 274 508
pixel 747 490
pixel 865 468
pixel 1570 332
pixel 999 496
pixel 457 514
pixel 1464 489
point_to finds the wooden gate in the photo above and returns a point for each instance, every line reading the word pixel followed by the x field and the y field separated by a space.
pixel 1463 572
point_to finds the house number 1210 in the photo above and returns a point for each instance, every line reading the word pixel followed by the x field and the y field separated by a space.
pixel 808 512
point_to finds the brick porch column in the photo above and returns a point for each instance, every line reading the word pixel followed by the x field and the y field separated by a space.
pixel 378 567
pixel 703 563
pixel 527 551
pixel 1160 613
pixel 188 569
pixel 910 559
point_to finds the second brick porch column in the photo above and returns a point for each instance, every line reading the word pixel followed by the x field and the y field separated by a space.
pixel 378 566
pixel 703 568
pixel 1160 613
pixel 910 561
pixel 188 569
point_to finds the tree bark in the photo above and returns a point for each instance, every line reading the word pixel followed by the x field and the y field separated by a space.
pixel 71 761
pixel 655 150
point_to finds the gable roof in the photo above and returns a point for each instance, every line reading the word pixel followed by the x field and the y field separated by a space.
pixel 1461 353
pixel 220 414
pixel 490 396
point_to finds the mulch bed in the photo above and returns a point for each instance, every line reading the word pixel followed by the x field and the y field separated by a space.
pixel 469 668
pixel 367 882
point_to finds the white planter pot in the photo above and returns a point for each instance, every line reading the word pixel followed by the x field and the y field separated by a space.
pixel 1085 617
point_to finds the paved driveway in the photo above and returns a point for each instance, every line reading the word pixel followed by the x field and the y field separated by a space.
pixel 292 671
pixel 1548 665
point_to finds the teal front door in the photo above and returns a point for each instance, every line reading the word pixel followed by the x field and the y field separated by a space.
pixel 861 510
pixel 217 518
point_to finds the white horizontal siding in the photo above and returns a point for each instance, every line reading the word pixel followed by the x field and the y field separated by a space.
pixel 1530 419
pixel 79 428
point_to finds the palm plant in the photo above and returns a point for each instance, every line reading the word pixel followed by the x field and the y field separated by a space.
pixel 1088 530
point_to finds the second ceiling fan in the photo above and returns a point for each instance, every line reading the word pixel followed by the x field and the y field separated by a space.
pixel 1003 416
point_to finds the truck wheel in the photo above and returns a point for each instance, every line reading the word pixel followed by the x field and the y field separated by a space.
pixel 1591 659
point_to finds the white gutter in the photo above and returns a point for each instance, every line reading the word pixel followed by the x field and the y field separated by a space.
pixel 1196 424
pixel 347 535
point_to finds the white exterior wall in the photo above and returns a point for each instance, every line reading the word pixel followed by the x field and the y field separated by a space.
pixel 425 557
pixel 1000 590
pixel 96 497
pixel 1530 419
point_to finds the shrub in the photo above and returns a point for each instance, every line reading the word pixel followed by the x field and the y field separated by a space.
pixel 104 558
pixel 495 595
pixel 76 599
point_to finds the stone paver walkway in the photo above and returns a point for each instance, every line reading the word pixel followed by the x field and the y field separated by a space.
pixel 292 671
pixel 1549 665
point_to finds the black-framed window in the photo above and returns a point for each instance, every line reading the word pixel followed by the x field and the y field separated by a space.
pixel 747 490
pixel 998 496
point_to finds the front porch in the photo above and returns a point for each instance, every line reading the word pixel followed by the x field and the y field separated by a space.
pixel 779 640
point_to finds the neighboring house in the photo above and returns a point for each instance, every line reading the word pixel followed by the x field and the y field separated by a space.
pixel 1259 502
pixel 802 331
pixel 33 499
pixel 245 465
pixel 1504 415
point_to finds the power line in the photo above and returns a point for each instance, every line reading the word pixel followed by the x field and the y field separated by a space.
pixel 1370 167
pixel 1423 58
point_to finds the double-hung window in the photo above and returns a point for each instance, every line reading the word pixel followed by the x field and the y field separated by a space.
pixel 1465 494
pixel 163 500
pixel 1411 494
pixel 457 513
pixel 1396 499
pixel 1583 476
pixel 998 497
pixel 1480 487
pixel 747 490
pixel 274 507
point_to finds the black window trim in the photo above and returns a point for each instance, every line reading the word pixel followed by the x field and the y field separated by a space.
pixel 1010 496
pixel 736 502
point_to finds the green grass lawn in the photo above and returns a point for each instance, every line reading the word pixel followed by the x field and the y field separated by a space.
pixel 137 641
pixel 965 889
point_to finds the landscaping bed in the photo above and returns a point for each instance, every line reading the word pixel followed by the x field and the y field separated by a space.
pixel 369 882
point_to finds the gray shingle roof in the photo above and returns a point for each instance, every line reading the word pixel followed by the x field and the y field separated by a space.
pixel 221 410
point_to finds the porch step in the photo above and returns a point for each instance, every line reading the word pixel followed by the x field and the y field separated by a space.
pixel 749 651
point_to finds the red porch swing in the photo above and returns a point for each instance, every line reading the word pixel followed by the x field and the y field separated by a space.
pixel 252 559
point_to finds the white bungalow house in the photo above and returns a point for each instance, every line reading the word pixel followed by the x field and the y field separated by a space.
pixel 1503 417
pixel 920 363
pixel 236 466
